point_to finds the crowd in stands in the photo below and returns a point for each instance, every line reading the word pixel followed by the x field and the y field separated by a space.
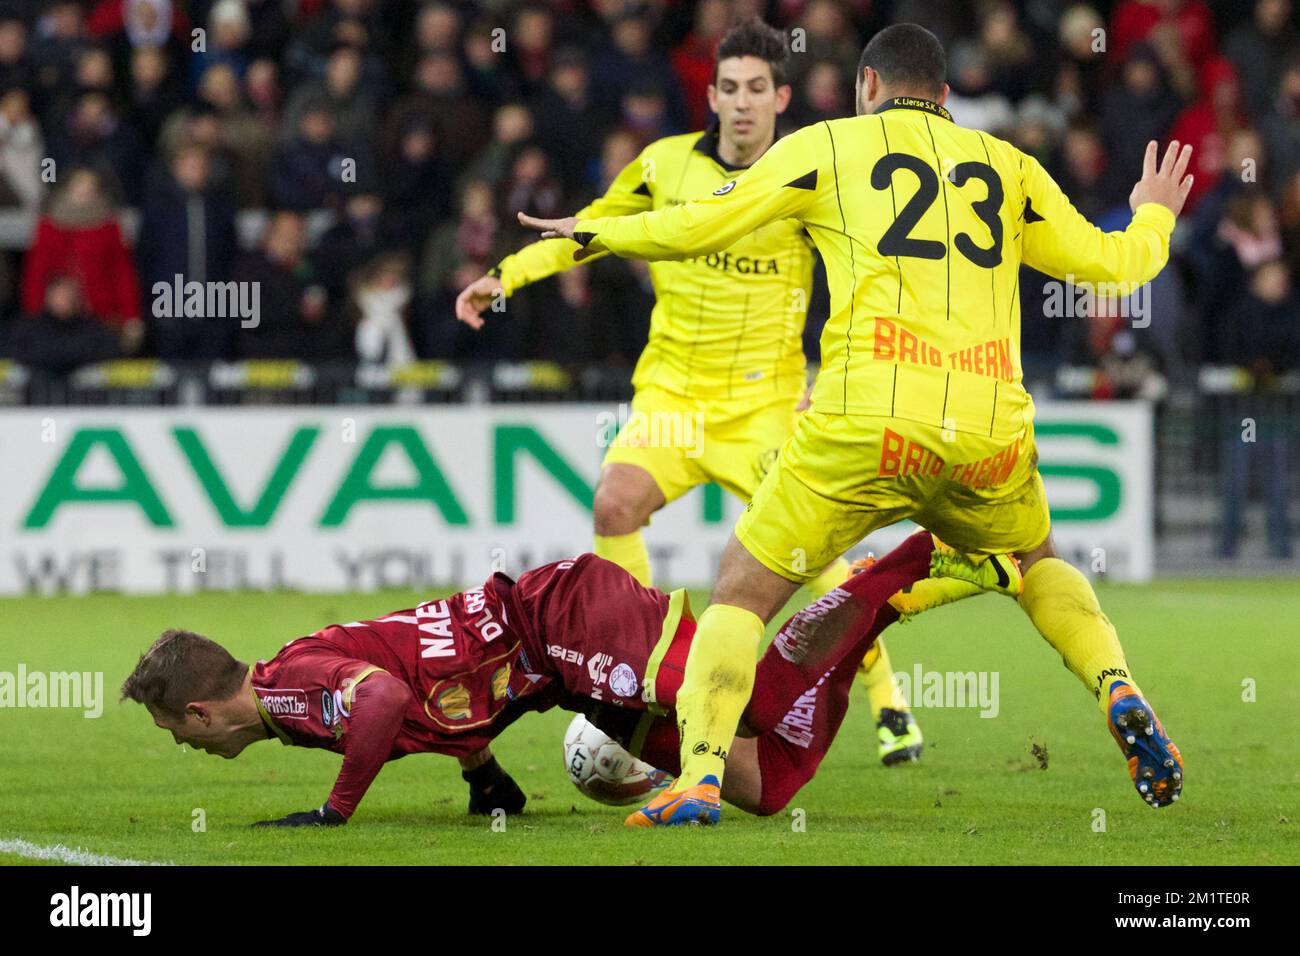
pixel 363 160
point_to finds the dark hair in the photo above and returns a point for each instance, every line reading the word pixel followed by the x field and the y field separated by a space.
pixel 909 59
pixel 755 38
pixel 182 667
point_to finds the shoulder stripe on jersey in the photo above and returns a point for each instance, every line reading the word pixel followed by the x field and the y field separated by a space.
pixel 1031 214
pixel 947 226
pixel 642 190
pixel 807 181
pixel 853 272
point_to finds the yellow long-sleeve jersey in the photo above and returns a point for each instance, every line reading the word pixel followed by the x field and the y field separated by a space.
pixel 728 323
pixel 923 226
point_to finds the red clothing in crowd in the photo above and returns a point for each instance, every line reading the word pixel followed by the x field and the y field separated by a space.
pixel 1208 125
pixel 1135 19
pixel 95 255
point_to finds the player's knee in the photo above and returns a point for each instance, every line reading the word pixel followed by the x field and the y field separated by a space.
pixel 617 511
pixel 774 800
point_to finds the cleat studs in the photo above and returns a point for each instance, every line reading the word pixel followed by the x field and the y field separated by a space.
pixel 1143 788
pixel 1174 798
pixel 1169 761
pixel 1130 739
pixel 1150 730
pixel 1177 775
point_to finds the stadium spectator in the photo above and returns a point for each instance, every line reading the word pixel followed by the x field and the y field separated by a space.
pixel 1188 26
pixel 340 91
pixel 570 119
pixel 381 297
pixel 441 100
pixel 15 71
pixel 310 167
pixel 245 143
pixel 262 91
pixel 631 66
pixel 57 38
pixel 973 102
pixel 489 76
pixel 268 29
pixel 1259 49
pixel 1260 333
pixel 1081 75
pixel 824 93
pixel 456 254
pixel 22 149
pixel 297 319
pixel 512 126
pixel 79 236
pixel 530 48
pixel 1082 171
pixel 1280 125
pixel 1209 124
pixel 63 336
pixel 827 35
pixel 93 134
pixel 1016 67
pixel 365 229
pixel 187 234
pixel 153 93
pixel 1140 107
pixel 224 42
pixel 417 182
pixel 693 59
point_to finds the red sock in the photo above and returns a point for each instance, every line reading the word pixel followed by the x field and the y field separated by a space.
pixel 829 630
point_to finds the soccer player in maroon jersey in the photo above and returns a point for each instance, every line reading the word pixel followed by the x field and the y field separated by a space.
pixel 449 675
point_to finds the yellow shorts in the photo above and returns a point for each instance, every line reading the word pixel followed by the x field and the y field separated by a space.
pixel 841 477
pixel 683 443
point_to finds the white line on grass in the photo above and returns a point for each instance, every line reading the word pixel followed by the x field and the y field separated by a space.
pixel 63 854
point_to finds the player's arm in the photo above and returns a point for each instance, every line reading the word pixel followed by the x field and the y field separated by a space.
pixel 627 195
pixel 1059 241
pixel 783 184
pixel 376 704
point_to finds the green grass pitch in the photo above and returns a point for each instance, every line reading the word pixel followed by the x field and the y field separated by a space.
pixel 117 786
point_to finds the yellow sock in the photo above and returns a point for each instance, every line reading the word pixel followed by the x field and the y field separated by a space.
pixel 836 573
pixel 929 593
pixel 1062 605
pixel 628 551
pixel 715 689
pixel 876 674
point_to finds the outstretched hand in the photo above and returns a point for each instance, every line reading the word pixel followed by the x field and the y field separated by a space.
pixel 325 816
pixel 554 229
pixel 476 297
pixel 1168 185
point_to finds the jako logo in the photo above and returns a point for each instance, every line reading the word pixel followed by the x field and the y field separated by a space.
pixel 103 909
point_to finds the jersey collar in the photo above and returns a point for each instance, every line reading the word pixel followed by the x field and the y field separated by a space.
pixel 914 103
pixel 708 145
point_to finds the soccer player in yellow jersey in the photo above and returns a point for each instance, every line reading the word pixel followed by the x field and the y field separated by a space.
pixel 717 386
pixel 918 410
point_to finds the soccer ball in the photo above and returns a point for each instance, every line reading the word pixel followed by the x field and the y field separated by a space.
pixel 603 770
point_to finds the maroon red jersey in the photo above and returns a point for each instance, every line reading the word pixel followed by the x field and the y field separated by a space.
pixel 430 679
